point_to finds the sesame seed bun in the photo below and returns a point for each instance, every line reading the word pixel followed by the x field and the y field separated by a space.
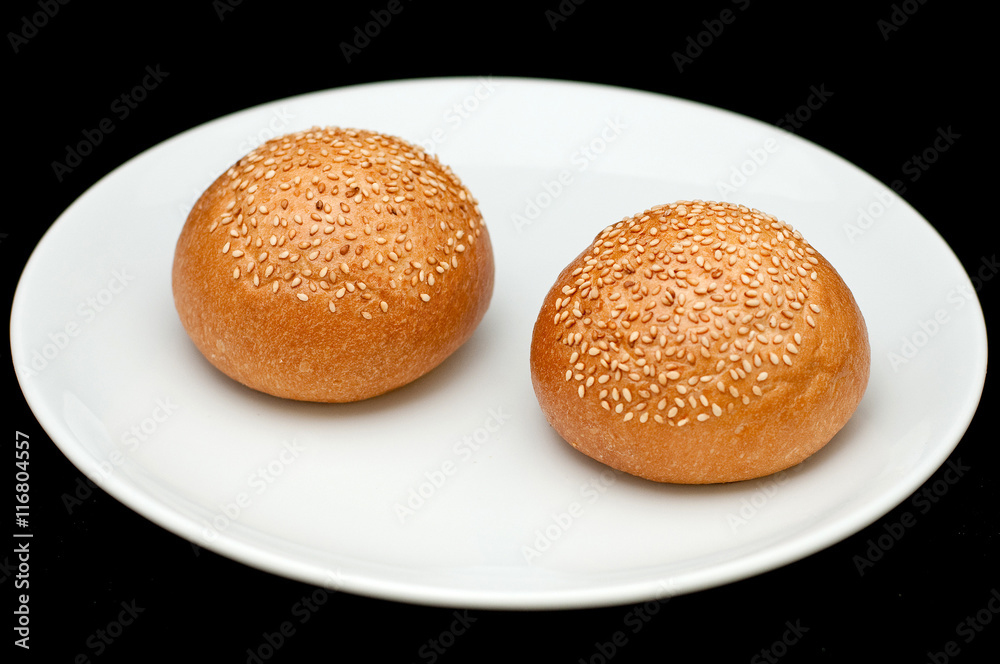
pixel 332 265
pixel 699 342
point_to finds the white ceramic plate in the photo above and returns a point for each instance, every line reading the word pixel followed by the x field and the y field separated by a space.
pixel 454 490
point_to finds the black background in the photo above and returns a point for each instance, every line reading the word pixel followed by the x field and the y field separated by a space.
pixel 893 88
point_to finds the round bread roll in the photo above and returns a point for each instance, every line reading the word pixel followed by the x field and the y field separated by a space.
pixel 699 342
pixel 332 265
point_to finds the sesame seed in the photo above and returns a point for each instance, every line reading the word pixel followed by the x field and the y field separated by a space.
pixel 681 295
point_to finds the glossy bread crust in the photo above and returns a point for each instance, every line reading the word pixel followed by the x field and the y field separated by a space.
pixel 332 265
pixel 699 342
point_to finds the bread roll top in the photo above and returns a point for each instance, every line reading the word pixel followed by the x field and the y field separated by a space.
pixel 332 265
pixel 699 342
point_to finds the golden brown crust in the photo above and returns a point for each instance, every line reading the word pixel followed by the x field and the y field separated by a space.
pixel 699 342
pixel 332 265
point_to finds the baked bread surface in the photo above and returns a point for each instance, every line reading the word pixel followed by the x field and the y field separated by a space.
pixel 699 342
pixel 332 265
